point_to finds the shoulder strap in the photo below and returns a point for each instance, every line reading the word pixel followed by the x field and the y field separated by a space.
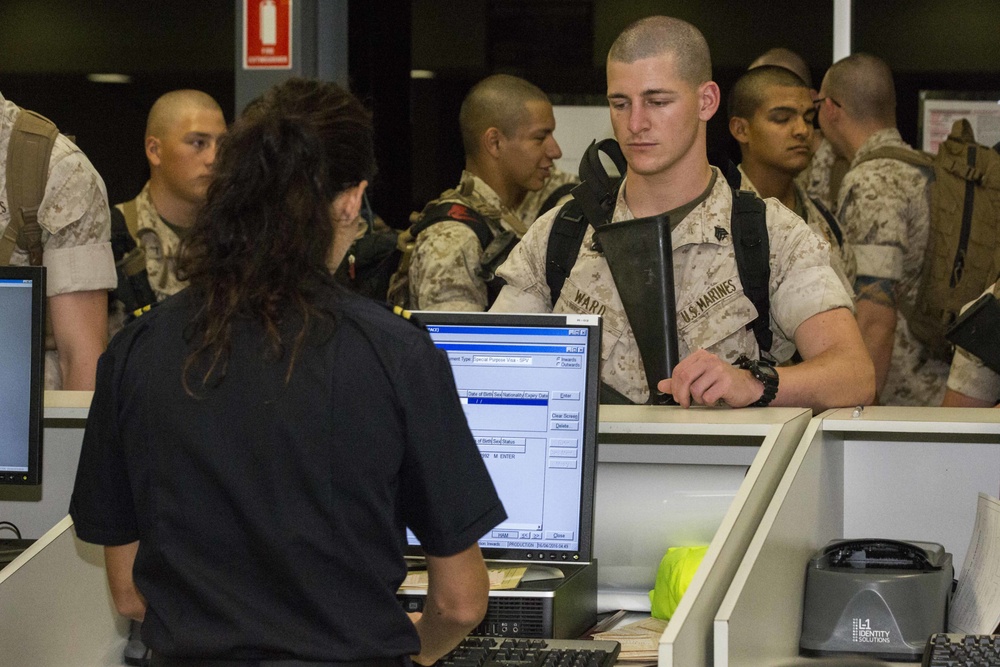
pixel 901 153
pixel 831 220
pixel 592 204
pixel 565 240
pixel 753 249
pixel 554 198
pixel 721 160
pixel 130 210
pixel 453 210
pixel 27 172
pixel 598 190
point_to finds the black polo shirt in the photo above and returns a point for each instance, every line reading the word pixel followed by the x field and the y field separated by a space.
pixel 271 517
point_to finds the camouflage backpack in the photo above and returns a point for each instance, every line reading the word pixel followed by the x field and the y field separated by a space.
pixel 963 248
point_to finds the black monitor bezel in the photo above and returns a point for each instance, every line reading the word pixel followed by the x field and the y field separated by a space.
pixel 584 552
pixel 36 274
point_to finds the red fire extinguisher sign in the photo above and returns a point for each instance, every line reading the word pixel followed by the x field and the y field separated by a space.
pixel 267 34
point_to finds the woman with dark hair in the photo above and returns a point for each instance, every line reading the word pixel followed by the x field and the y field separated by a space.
pixel 258 443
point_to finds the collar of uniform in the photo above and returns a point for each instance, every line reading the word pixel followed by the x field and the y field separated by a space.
pixel 471 185
pixel 150 220
pixel 145 211
pixel 888 137
pixel 700 225
pixel 801 198
pixel 745 183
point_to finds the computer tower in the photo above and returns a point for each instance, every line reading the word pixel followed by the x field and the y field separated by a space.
pixel 548 608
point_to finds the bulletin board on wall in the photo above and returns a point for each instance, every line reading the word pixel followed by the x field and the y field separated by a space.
pixel 939 109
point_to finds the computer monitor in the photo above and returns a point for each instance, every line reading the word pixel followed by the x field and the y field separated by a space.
pixel 529 388
pixel 22 348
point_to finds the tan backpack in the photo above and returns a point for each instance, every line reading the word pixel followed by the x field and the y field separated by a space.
pixel 963 249
pixel 28 155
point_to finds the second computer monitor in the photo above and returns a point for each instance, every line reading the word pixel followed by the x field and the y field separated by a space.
pixel 529 388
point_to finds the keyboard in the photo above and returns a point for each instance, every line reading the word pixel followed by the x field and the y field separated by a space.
pixel 958 650
pixel 508 652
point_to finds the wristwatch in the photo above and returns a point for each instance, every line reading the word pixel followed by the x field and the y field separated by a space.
pixel 763 372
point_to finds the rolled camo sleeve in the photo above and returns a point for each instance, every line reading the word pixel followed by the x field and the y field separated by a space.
pixel 804 283
pixel 74 213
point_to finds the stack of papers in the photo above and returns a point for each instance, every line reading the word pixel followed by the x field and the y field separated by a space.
pixel 501 579
pixel 640 640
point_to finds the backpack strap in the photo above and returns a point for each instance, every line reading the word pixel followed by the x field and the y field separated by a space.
pixel 565 239
pixel 453 210
pixel 598 190
pixel 592 204
pixel 720 160
pixel 130 210
pixel 554 197
pixel 28 156
pixel 831 220
pixel 753 248
pixel 901 153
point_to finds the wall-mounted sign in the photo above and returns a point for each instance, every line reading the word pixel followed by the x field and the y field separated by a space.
pixel 267 34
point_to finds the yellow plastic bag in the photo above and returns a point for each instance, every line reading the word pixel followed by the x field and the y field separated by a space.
pixel 676 570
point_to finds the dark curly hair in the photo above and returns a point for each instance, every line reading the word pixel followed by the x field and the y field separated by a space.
pixel 258 251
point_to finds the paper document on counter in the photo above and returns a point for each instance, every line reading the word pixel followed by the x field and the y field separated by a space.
pixel 501 579
pixel 975 609
pixel 640 640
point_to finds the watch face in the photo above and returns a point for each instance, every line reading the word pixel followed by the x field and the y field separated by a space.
pixel 768 371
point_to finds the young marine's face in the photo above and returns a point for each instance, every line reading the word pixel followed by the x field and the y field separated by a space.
pixel 528 155
pixel 184 154
pixel 656 114
pixel 779 135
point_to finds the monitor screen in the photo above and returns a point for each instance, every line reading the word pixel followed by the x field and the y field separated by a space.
pixel 22 332
pixel 529 388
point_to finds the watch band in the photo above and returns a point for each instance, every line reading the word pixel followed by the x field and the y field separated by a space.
pixel 764 373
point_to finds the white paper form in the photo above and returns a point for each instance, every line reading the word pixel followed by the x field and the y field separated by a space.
pixel 975 609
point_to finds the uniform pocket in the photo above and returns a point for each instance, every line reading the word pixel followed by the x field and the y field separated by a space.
pixel 716 321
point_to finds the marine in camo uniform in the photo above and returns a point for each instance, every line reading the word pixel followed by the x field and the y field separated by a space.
pixel 971 383
pixel 661 97
pixel 884 207
pixel 182 134
pixel 76 233
pixel 771 116
pixel 507 127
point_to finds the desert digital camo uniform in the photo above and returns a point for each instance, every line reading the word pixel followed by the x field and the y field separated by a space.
pixel 970 376
pixel 884 208
pixel 841 256
pixel 532 203
pixel 815 178
pixel 160 244
pixel 75 222
pixel 445 271
pixel 712 311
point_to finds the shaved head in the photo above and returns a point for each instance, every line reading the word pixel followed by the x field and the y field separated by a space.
pixel 750 89
pixel 498 101
pixel 659 35
pixel 786 58
pixel 862 83
pixel 170 106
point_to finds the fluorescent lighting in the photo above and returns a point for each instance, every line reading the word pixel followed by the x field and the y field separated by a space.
pixel 109 78
pixel 421 74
